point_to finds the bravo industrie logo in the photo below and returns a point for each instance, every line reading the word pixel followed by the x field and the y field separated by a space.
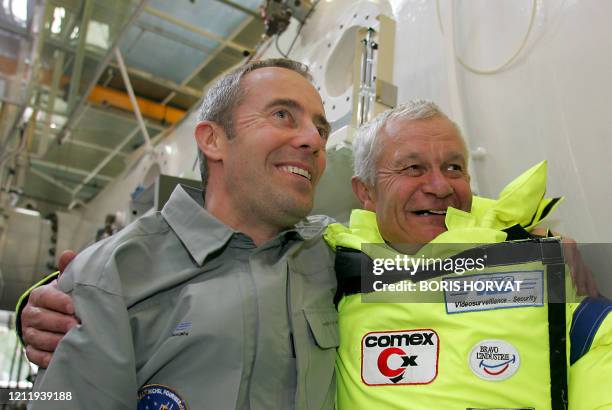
pixel 494 360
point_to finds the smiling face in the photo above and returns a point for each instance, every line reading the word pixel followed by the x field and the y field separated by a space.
pixel 421 170
pixel 271 165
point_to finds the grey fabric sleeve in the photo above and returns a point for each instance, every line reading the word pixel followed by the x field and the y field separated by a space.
pixel 95 360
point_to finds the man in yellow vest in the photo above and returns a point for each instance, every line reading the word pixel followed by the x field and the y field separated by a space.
pixel 497 349
pixel 411 169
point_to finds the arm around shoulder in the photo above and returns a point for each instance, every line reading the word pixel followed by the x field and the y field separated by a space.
pixel 95 361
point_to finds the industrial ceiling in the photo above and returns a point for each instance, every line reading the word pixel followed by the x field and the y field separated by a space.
pixel 65 104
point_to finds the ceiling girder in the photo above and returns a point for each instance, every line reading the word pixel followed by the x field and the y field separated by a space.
pixel 75 171
pixel 75 114
pixel 212 56
pixel 51 180
pixel 135 107
pixel 188 26
pixel 240 7
pixel 77 67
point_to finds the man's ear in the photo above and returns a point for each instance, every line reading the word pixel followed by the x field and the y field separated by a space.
pixel 364 194
pixel 210 139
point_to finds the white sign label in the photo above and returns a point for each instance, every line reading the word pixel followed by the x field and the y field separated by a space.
pixel 400 357
pixel 490 291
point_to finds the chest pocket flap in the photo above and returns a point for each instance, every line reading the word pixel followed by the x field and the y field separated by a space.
pixel 323 324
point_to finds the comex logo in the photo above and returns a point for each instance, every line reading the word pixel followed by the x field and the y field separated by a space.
pixel 395 375
pixel 494 360
pixel 400 357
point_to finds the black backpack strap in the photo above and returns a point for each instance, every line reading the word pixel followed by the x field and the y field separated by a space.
pixel 557 341
pixel 348 265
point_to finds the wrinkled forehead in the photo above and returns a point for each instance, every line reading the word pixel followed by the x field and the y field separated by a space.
pixel 279 82
pixel 431 137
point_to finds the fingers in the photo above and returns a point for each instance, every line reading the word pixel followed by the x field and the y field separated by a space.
pixel 38 357
pixel 591 286
pixel 584 281
pixel 41 340
pixel 579 280
pixel 48 315
pixel 583 278
pixel 45 320
pixel 65 258
pixel 51 298
pixel 539 231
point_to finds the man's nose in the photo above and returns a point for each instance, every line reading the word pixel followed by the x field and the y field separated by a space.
pixel 436 183
pixel 309 138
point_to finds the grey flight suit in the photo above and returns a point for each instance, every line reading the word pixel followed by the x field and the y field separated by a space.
pixel 180 303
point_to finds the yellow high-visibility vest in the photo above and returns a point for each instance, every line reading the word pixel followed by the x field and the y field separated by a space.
pixel 441 352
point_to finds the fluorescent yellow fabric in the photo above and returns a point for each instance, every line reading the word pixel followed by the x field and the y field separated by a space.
pixel 455 386
pixel 589 378
pixel 526 328
pixel 520 202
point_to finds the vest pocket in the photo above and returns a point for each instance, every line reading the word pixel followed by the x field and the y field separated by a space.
pixel 320 383
pixel 323 324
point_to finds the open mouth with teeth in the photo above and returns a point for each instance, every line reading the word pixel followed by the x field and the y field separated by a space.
pixel 296 171
pixel 426 212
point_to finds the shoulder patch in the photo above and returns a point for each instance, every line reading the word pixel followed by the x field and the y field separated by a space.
pixel 159 397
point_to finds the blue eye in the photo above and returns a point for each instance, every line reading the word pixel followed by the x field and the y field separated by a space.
pixel 281 114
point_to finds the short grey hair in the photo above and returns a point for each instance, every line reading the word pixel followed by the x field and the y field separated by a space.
pixel 226 94
pixel 365 147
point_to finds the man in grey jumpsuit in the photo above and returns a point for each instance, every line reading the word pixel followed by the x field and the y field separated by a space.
pixel 222 304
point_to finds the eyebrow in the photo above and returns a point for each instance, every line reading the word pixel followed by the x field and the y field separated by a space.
pixel 454 156
pixel 457 156
pixel 318 119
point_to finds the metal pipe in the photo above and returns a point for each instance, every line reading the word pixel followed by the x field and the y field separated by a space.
pixel 211 56
pixel 13 358
pixel 132 71
pixel 42 13
pixel 9 101
pixel 77 67
pixel 181 23
pixel 240 7
pixel 66 168
pixel 366 80
pixel 58 70
pixel 70 123
pixel 20 364
pixel 10 28
pixel 130 90
pixel 51 180
pixel 96 147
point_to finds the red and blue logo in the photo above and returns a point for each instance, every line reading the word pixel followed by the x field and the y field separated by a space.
pixel 498 368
